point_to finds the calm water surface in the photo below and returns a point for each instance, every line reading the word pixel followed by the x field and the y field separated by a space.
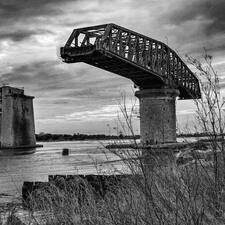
pixel 86 157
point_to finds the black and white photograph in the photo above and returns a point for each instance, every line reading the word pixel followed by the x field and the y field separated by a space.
pixel 112 112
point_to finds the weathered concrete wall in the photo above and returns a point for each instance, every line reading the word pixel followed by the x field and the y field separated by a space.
pixel 157 115
pixel 6 125
pixel 23 121
pixel 0 114
pixel 17 126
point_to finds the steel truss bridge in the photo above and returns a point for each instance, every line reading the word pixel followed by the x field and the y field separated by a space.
pixel 147 62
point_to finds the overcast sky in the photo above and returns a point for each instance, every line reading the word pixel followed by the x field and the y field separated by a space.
pixel 72 98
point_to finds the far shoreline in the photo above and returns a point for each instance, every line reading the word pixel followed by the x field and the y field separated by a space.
pixel 47 137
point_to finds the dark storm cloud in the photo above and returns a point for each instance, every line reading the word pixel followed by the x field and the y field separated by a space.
pixel 47 77
pixel 39 75
pixel 20 9
pixel 20 35
pixel 211 11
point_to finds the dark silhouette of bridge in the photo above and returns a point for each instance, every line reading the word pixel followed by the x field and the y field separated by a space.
pixel 147 62
pixel 154 67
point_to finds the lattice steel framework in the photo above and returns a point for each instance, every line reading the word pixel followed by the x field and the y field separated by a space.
pixel 147 62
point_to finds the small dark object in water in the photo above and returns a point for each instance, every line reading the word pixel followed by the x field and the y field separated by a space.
pixel 65 151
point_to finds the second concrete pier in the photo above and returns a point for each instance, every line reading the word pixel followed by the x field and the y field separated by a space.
pixel 157 115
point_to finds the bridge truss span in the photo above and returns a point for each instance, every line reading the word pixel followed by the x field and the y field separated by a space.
pixel 147 62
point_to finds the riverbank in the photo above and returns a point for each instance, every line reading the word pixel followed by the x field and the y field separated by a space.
pixel 61 205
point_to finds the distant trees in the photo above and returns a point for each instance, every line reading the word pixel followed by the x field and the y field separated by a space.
pixel 79 137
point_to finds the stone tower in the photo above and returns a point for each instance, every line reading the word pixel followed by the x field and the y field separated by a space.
pixel 17 129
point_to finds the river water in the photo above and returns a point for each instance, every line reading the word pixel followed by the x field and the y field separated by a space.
pixel 86 157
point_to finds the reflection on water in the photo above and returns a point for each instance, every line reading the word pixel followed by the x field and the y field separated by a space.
pixel 14 151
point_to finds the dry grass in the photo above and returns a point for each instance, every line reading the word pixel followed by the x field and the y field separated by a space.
pixel 155 195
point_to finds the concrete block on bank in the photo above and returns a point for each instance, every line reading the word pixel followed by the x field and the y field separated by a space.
pixel 28 190
pixel 80 185
pixel 100 184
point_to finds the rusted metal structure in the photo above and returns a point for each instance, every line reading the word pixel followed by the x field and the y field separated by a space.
pixel 147 62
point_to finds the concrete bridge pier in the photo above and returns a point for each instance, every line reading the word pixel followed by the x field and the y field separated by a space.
pixel 157 115
pixel 17 128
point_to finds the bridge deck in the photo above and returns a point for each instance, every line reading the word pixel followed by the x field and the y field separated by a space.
pixel 147 62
